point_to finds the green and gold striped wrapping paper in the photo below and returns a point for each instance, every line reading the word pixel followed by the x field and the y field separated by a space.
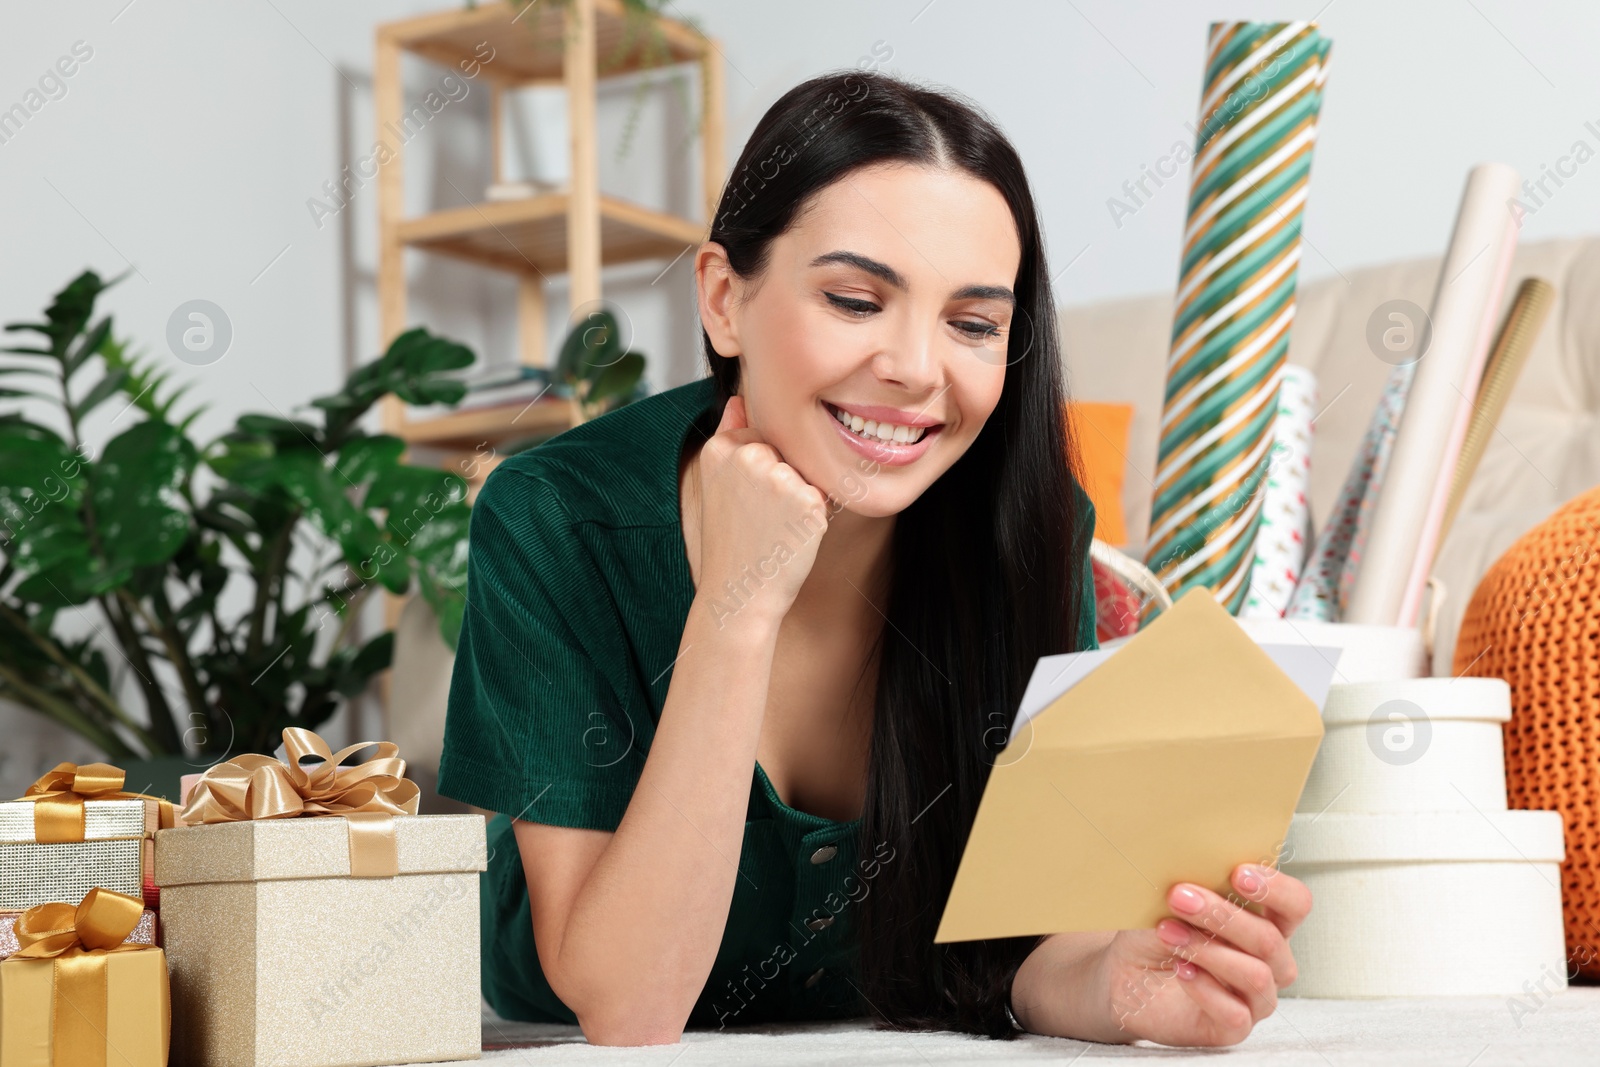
pixel 1235 301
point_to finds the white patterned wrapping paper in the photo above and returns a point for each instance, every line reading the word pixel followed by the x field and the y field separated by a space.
pixel 1281 539
pixel 1330 574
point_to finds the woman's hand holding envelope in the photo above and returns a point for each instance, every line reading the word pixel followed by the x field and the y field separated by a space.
pixel 1203 976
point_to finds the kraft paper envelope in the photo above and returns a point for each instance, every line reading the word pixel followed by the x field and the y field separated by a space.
pixel 1178 757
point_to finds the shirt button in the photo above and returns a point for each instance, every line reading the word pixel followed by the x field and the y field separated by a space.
pixel 824 854
pixel 815 978
pixel 822 923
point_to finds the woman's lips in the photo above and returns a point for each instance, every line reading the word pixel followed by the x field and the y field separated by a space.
pixel 886 452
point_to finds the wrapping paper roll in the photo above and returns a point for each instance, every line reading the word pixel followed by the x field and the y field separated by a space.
pixel 1415 492
pixel 1235 301
pixel 1323 592
pixel 1512 347
pixel 1285 508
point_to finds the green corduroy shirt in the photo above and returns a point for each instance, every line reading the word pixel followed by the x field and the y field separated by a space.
pixel 578 590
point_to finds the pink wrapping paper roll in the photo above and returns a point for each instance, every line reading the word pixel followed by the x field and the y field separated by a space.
pixel 1439 504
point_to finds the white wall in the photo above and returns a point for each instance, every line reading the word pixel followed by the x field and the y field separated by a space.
pixel 188 144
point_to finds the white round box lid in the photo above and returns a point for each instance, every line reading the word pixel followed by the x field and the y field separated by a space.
pixel 1439 698
pixel 1408 837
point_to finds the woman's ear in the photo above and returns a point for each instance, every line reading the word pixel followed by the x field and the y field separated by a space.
pixel 715 286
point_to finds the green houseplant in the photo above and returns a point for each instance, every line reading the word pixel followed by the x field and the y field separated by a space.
pixel 311 514
pixel 593 369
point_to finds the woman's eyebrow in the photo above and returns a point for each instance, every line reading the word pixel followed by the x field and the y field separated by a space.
pixel 896 279
pixel 866 263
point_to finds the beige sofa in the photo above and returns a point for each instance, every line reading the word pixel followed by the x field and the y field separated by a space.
pixel 1547 449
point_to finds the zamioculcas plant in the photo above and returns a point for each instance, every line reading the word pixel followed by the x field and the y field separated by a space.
pixel 594 368
pixel 309 515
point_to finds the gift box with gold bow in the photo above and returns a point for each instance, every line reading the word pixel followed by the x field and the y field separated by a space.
pixel 74 830
pixel 78 994
pixel 311 917
pixel 147 931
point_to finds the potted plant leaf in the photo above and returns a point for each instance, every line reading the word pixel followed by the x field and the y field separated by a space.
pixel 594 369
pixel 310 515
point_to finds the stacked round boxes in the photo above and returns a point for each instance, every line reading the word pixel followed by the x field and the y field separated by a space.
pixel 1423 883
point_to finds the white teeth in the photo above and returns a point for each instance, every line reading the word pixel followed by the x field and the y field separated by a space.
pixel 881 431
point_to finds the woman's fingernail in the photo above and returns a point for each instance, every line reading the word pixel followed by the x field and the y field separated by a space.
pixel 1187 900
pixel 1173 933
pixel 1249 881
pixel 1186 970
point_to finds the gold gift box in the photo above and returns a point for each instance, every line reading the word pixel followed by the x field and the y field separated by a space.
pixel 136 1019
pixel 112 854
pixel 281 959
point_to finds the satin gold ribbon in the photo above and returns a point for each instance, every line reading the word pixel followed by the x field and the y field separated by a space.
pixel 59 794
pixel 79 940
pixel 367 795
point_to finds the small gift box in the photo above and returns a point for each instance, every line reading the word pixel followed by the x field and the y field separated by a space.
pixel 147 931
pixel 76 994
pixel 75 830
pixel 346 938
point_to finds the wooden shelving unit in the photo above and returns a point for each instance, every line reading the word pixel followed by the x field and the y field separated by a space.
pixel 575 231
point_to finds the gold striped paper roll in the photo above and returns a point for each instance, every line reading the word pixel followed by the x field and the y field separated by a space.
pixel 1532 304
pixel 1235 301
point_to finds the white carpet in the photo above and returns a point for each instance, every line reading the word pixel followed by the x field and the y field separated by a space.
pixel 1465 1032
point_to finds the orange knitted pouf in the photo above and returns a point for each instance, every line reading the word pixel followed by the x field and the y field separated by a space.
pixel 1534 620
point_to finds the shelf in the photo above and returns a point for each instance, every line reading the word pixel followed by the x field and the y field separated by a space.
pixel 528 47
pixel 466 430
pixel 528 234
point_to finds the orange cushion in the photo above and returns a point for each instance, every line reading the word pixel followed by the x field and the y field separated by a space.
pixel 1101 431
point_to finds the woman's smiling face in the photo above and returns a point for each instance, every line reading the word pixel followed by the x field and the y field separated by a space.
pixel 887 303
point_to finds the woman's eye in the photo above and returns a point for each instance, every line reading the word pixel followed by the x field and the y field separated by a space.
pixel 978 331
pixel 850 304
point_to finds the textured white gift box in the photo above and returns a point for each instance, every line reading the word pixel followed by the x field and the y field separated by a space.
pixel 1367 653
pixel 110 856
pixel 1420 744
pixel 280 958
pixel 1455 903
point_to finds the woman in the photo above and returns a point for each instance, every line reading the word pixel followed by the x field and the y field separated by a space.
pixel 738 657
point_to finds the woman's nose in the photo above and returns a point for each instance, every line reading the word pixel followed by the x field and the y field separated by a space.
pixel 911 360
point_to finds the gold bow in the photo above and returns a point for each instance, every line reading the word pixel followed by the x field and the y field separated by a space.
pixel 59 794
pixel 79 940
pixel 367 795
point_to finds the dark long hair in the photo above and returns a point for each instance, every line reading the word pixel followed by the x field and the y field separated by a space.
pixel 984 580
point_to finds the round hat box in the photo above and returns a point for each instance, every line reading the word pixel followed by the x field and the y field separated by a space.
pixel 1458 903
pixel 1369 653
pixel 1413 744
